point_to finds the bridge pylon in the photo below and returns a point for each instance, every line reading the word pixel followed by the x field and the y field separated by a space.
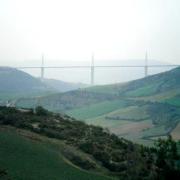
pixel 92 70
pixel 146 65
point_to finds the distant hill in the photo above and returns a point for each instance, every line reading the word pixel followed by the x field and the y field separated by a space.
pixel 63 86
pixel 13 80
pixel 124 74
pixel 162 83
pixel 15 84
pixel 150 85
pixel 139 110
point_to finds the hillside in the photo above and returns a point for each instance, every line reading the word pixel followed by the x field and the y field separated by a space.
pixel 151 85
pixel 42 145
pixel 63 86
pixel 35 157
pixel 139 110
pixel 62 102
pixel 13 80
pixel 15 83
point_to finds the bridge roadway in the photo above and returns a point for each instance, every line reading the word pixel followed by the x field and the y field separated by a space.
pixel 101 66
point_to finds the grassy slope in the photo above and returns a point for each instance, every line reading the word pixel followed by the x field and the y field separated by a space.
pixel 134 113
pixel 131 122
pixel 15 83
pixel 110 153
pixel 33 160
pixel 13 96
pixel 65 101
pixel 150 85
pixel 131 130
pixel 174 101
pixel 107 89
pixel 97 109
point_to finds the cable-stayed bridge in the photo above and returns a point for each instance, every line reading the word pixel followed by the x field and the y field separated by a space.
pixel 92 67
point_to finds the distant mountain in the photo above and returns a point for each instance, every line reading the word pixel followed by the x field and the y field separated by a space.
pixel 63 86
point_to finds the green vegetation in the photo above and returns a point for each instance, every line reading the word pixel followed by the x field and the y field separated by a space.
pixel 106 89
pixel 151 85
pixel 118 106
pixel 167 159
pixel 25 154
pixel 174 100
pixel 143 91
pixel 65 101
pixel 131 113
pixel 34 159
pixel 97 109
pixel 3 174
pixel 16 81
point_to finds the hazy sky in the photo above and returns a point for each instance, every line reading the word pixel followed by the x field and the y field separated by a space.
pixel 73 29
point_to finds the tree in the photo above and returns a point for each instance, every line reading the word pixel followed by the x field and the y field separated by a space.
pixel 40 111
pixel 167 155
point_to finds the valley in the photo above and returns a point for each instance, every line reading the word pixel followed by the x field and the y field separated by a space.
pixel 103 132
pixel 149 106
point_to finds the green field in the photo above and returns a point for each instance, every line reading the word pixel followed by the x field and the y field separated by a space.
pixel 174 101
pixel 132 130
pixel 143 91
pixel 97 109
pixel 14 95
pixel 132 113
pixel 131 121
pixel 106 89
pixel 34 160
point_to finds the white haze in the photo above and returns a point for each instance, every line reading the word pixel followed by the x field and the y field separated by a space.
pixel 68 31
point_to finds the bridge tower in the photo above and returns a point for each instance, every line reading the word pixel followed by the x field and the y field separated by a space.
pixel 92 70
pixel 42 68
pixel 146 65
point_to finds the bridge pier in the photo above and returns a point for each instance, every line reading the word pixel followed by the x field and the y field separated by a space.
pixel 92 70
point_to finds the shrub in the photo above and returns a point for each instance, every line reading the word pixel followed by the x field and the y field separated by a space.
pixel 40 111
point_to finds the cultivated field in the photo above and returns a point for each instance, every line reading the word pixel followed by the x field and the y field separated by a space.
pixel 176 132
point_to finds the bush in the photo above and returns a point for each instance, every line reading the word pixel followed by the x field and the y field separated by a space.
pixel 40 111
